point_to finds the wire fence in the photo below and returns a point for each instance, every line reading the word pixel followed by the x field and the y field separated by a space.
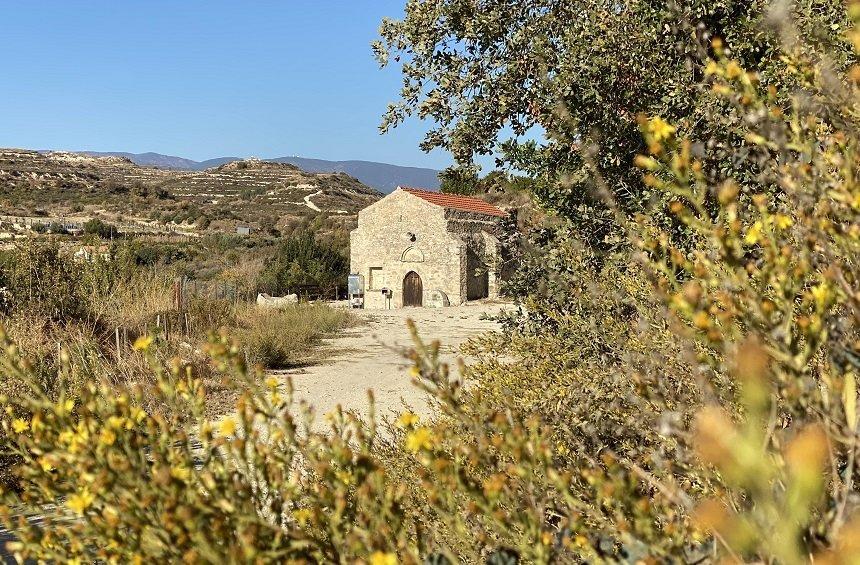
pixel 235 292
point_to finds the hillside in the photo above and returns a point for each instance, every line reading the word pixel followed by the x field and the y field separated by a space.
pixel 253 192
pixel 381 176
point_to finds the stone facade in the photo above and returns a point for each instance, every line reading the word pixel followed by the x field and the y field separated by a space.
pixel 454 251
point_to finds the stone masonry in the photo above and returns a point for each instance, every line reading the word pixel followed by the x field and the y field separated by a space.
pixel 448 241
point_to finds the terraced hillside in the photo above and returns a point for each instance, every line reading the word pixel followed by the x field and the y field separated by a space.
pixel 261 194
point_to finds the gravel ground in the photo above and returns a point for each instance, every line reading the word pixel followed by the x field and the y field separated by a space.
pixel 370 356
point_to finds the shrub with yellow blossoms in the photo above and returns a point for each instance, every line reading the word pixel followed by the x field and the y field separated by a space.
pixel 699 403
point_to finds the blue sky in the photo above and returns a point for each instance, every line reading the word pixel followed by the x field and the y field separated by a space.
pixel 202 79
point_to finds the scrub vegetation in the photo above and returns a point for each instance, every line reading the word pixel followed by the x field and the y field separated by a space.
pixel 77 319
pixel 678 383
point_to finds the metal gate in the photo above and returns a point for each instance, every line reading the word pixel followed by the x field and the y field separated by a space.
pixel 413 290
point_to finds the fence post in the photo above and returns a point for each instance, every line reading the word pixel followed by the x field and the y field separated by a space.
pixel 118 353
pixel 177 294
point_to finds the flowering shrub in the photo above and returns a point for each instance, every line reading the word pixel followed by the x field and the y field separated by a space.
pixel 116 483
pixel 696 401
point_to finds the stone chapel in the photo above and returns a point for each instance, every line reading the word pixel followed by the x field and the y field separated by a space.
pixel 421 248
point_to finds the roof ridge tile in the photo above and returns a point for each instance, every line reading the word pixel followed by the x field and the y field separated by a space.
pixel 456 201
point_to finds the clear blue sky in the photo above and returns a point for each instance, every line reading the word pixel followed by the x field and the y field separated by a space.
pixel 202 79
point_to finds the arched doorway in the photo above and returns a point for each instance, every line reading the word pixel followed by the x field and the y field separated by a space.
pixel 413 290
pixel 477 276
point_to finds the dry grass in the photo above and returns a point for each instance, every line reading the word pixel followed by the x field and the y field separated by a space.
pixel 133 303
pixel 278 339
pixel 129 306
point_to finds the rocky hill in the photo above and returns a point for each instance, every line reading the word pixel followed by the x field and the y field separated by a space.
pixel 253 192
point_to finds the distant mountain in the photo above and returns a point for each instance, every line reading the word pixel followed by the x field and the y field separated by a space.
pixel 381 176
pixel 217 162
pixel 149 159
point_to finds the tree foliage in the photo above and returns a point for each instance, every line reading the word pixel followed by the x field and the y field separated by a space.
pixel 100 228
pixel 670 403
pixel 303 261
pixel 575 72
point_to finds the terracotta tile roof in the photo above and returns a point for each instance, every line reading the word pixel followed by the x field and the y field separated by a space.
pixel 464 203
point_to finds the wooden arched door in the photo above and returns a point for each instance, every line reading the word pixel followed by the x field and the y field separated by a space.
pixel 413 290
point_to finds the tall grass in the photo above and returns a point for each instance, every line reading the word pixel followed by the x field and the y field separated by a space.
pixel 278 339
pixel 98 309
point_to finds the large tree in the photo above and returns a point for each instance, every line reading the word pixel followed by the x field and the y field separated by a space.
pixel 535 81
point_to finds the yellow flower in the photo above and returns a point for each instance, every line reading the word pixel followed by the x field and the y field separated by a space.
pixel 712 68
pixel 36 424
pixel 783 222
pixel 115 422
pixel 272 382
pixel 107 437
pixel 421 438
pixel 20 425
pixel 660 128
pixel 79 502
pixel 302 515
pixel 753 235
pixel 344 476
pixel 46 463
pixel 142 343
pixel 227 427
pixel 380 558
pixel 138 414
pixel 77 440
pixel 733 70
pixel 180 473
pixel 821 294
pixel 407 419
pixel 721 89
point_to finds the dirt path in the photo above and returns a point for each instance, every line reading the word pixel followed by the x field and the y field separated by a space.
pixel 369 357
pixel 310 204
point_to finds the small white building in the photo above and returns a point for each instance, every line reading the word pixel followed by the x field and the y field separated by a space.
pixel 421 248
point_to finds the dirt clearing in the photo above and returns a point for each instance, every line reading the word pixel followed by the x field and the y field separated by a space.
pixel 369 356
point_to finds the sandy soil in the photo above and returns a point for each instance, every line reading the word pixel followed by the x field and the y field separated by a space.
pixel 369 356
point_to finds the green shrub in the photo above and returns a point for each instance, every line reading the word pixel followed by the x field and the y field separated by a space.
pixel 39 280
pixel 691 398
pixel 100 228
pixel 302 261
